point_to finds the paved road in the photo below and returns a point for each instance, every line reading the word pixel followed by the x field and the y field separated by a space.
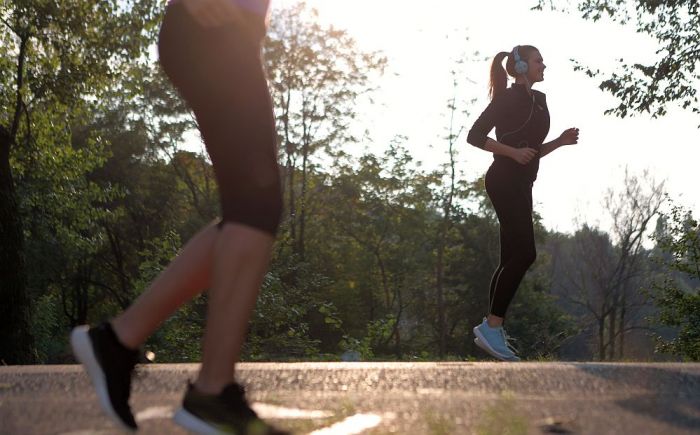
pixel 382 398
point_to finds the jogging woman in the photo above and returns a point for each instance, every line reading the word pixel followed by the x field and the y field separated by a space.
pixel 211 51
pixel 521 118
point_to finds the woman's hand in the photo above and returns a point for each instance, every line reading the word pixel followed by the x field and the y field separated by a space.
pixel 212 13
pixel 523 155
pixel 569 137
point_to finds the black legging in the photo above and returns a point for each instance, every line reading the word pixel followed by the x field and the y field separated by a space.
pixel 512 199
pixel 219 72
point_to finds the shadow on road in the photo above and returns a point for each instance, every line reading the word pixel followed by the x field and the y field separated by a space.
pixel 670 395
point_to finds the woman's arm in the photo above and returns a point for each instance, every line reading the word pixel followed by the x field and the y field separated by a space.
pixel 478 134
pixel 520 155
pixel 569 137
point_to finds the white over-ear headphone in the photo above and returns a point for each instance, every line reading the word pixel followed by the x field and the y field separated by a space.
pixel 520 65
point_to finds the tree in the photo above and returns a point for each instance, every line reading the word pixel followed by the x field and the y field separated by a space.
pixel 316 76
pixel 604 273
pixel 56 58
pixel 541 324
pixel 677 295
pixel 447 199
pixel 382 214
pixel 674 76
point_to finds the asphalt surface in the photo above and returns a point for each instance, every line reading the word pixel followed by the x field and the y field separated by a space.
pixel 382 398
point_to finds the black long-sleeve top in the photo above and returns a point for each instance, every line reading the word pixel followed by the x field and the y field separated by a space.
pixel 509 112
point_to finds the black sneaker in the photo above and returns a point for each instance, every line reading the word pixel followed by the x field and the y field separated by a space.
pixel 225 413
pixel 109 365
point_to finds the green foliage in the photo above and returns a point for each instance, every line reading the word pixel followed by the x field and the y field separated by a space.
pixel 48 330
pixel 673 77
pixel 316 75
pixel 178 340
pixel 541 327
pixel 281 328
pixel 378 333
pixel 382 212
pixel 677 295
pixel 362 347
pixel 57 58
pixel 108 196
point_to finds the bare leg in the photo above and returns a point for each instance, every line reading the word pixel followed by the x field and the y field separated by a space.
pixel 241 257
pixel 494 321
pixel 232 261
pixel 184 278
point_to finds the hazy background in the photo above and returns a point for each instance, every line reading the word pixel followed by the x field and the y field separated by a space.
pixel 424 40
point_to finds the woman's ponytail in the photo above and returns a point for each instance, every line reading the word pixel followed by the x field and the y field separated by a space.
pixel 499 78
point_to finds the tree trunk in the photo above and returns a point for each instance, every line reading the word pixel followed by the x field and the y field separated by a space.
pixel 16 341
pixel 290 166
pixel 397 331
pixel 601 338
pixel 369 298
pixel 442 238
pixel 612 330
pixel 622 327
pixel 385 284
pixel 440 296
pixel 302 201
pixel 292 202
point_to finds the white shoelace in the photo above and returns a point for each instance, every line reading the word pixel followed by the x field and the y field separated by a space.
pixel 507 338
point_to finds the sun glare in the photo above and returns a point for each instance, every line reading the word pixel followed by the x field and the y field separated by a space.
pixel 423 41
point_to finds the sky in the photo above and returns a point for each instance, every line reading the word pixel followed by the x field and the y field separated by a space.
pixel 423 40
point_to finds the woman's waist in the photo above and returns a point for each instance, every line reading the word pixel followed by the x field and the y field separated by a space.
pixel 258 7
pixel 249 22
pixel 503 166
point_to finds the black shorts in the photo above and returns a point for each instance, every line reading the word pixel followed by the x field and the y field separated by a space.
pixel 219 73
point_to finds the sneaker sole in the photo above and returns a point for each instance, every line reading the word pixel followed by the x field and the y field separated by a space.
pixel 481 341
pixel 515 359
pixel 84 353
pixel 195 424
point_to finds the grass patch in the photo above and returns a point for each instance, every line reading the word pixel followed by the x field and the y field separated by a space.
pixel 502 418
pixel 438 424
